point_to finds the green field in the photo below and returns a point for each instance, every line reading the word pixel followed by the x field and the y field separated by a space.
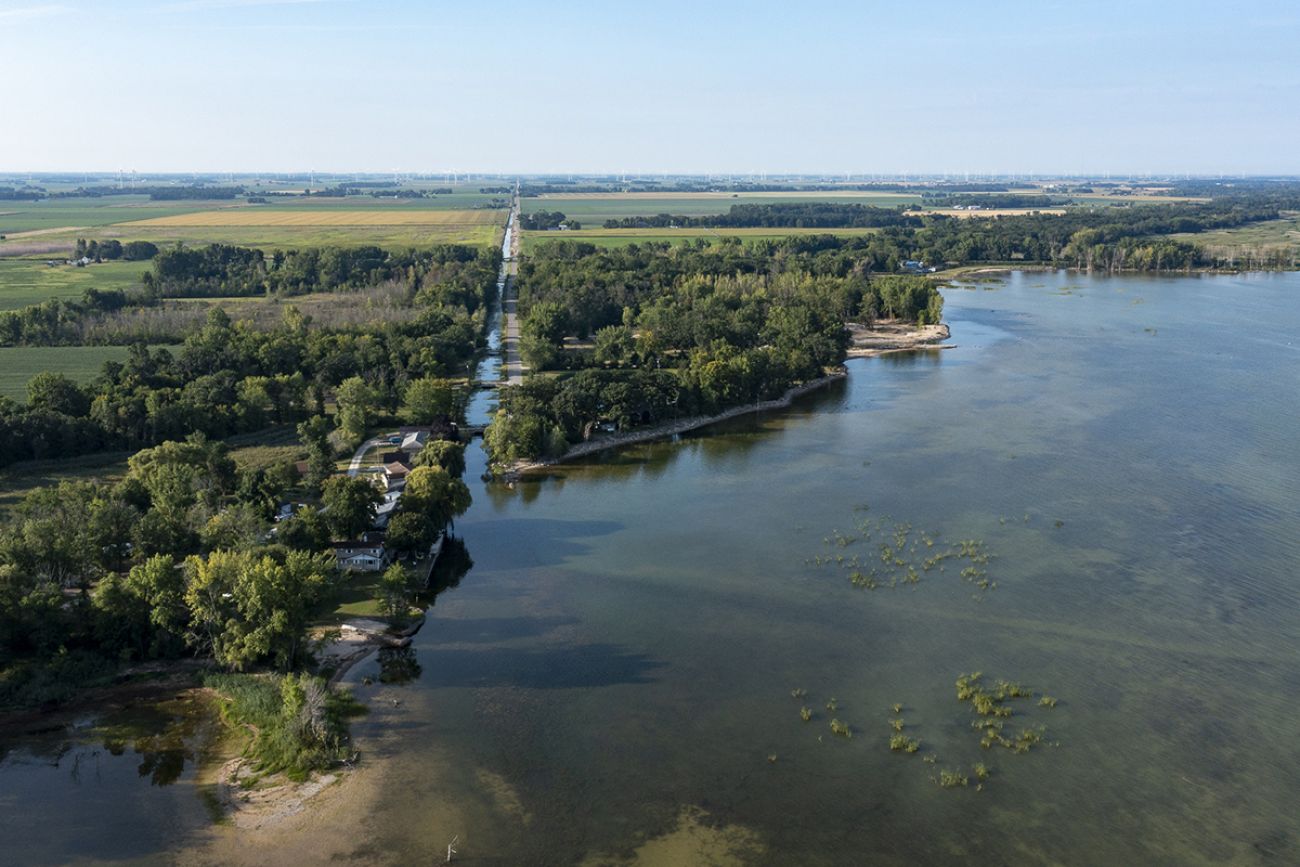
pixel 623 237
pixel 16 217
pixel 1260 237
pixel 31 281
pixel 18 364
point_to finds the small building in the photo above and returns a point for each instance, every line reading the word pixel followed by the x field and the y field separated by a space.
pixel 396 472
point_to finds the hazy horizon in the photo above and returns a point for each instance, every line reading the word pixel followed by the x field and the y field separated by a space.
pixel 265 86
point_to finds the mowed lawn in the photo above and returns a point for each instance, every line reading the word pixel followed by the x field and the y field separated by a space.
pixel 31 281
pixel 18 364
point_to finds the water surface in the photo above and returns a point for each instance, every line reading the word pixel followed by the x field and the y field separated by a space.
pixel 622 653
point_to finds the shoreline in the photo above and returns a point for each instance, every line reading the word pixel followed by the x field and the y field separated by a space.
pixel 672 428
pixel 887 337
pixel 667 429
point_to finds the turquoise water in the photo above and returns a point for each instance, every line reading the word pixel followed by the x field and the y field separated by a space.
pixel 625 646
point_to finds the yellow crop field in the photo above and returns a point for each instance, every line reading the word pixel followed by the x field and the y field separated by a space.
pixel 324 217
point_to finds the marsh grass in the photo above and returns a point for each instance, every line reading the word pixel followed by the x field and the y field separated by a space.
pixel 902 555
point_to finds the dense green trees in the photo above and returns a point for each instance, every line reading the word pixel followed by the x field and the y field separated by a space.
pixel 683 330
pixel 350 505
pixel 228 377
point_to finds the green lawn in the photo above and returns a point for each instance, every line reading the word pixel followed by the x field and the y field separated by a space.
pixel 31 281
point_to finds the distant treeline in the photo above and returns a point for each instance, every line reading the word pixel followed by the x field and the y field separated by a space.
pixel 221 270
pixel 544 220
pixel 993 200
pixel 131 251
pixel 1112 238
pixel 813 215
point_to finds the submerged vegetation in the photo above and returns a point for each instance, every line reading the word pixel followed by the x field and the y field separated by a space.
pixel 901 555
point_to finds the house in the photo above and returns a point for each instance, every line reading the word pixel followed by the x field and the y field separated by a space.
pixel 396 472
pixel 386 509
pixel 366 554
pixel 397 457
pixel 288 510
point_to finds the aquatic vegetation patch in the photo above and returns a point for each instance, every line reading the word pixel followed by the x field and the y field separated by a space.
pixel 889 554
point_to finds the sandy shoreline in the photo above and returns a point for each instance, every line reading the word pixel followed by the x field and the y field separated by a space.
pixel 888 336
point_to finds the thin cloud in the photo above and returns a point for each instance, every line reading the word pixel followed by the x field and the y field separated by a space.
pixel 196 5
pixel 42 11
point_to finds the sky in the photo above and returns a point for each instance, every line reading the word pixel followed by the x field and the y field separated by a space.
pixel 808 86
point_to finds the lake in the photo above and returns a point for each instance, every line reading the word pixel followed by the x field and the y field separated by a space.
pixel 613 678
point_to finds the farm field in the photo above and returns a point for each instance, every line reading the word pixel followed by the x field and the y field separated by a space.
pixel 623 237
pixel 21 217
pixel 264 216
pixel 31 281
pixel 18 364
pixel 52 227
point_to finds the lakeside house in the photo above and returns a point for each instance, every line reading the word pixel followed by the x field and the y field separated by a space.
pixel 366 554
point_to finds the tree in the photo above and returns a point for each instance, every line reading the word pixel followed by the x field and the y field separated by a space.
pixel 443 453
pixel 433 492
pixel 410 533
pixel 614 345
pixel 426 400
pixel 246 608
pixel 315 436
pixel 395 588
pixel 357 404
pixel 350 505
pixel 57 393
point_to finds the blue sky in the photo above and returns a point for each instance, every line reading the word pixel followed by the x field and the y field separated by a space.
pixel 664 86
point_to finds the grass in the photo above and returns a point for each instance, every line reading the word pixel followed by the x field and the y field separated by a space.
pixel 18 364
pixel 297 724
pixel 31 281
pixel 1259 237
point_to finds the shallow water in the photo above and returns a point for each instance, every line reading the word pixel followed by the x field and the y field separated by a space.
pixel 617 666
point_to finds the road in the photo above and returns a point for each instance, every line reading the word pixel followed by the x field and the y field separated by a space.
pixel 359 455
pixel 513 366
